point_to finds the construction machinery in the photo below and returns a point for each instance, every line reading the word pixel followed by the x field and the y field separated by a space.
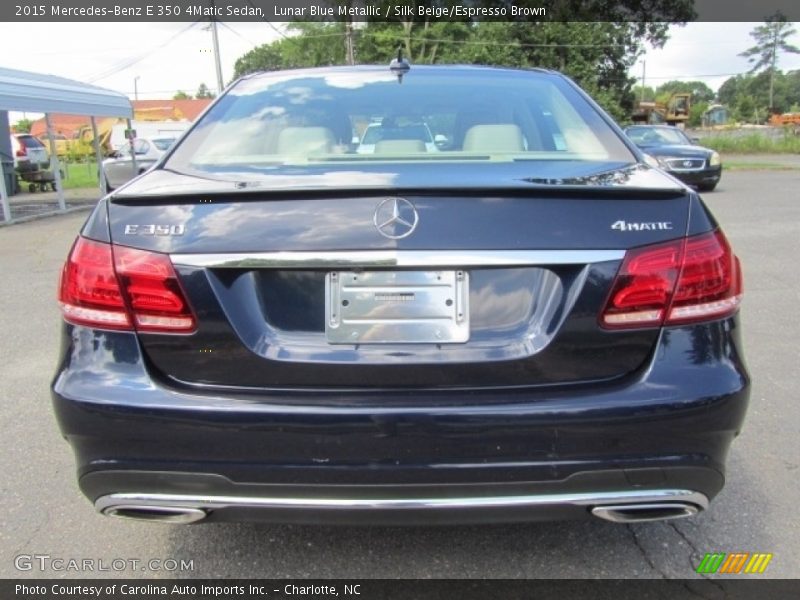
pixel 673 112
pixel 80 145
pixel 785 119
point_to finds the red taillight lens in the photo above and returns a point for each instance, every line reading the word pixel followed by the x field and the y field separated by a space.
pixel 710 285
pixel 676 282
pixel 89 292
pixel 22 151
pixel 643 288
pixel 114 287
pixel 153 292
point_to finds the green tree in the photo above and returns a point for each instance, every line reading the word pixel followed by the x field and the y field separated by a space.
pixel 771 39
pixel 696 113
pixel 647 94
pixel 181 95
pixel 700 91
pixel 730 90
pixel 23 126
pixel 746 109
pixel 597 52
pixel 203 92
pixel 311 45
pixel 793 88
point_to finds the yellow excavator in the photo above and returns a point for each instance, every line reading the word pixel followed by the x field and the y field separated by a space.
pixel 674 112
pixel 80 146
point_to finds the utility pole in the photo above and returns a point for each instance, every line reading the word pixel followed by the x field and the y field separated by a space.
pixel 136 88
pixel 641 99
pixel 215 41
pixel 349 50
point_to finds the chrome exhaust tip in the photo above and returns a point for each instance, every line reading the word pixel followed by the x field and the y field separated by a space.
pixel 639 513
pixel 156 514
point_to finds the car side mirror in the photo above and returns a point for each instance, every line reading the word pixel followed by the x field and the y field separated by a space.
pixel 355 141
pixel 694 140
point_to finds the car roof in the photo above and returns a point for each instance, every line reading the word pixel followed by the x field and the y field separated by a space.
pixel 477 70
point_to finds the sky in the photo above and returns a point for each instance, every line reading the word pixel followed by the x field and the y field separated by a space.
pixel 706 52
pixel 163 58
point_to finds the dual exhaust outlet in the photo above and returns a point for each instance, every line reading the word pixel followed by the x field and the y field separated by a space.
pixel 621 507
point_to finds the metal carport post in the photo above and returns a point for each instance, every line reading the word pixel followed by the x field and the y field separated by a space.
pixel 36 92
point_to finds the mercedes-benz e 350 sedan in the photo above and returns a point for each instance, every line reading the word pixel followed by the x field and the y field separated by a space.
pixel 527 323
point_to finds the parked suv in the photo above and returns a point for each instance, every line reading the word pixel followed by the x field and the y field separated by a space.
pixel 29 153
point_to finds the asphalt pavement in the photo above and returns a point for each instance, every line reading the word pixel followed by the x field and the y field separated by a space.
pixel 45 515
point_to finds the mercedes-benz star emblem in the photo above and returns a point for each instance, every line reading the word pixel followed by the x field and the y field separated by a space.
pixel 687 163
pixel 395 218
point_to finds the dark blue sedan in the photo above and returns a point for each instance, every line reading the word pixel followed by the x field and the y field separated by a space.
pixel 525 322
pixel 679 155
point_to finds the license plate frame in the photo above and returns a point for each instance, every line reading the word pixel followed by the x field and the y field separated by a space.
pixel 397 307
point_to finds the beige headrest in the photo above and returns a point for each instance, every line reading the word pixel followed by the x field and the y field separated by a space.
pixel 494 138
pixel 305 140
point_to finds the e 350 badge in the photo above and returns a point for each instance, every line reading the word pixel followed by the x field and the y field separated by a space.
pixel 154 229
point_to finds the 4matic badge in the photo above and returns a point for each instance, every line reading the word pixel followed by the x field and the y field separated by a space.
pixel 646 226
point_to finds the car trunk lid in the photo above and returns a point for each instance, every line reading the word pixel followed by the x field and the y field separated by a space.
pixel 529 268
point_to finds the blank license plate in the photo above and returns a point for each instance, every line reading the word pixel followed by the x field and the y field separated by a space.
pixel 396 307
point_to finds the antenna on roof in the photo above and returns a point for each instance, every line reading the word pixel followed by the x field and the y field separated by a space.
pixel 399 66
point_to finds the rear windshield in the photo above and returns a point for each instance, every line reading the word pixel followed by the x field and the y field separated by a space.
pixel 342 116
pixel 29 141
pixel 163 144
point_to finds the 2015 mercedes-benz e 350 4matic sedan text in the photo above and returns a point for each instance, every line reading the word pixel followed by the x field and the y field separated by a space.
pixel 526 323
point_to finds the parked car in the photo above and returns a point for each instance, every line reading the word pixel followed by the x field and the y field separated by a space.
pixel 679 155
pixel 29 153
pixel 120 168
pixel 533 324
pixel 389 136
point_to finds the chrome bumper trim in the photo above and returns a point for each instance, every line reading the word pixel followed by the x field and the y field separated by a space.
pixel 395 258
pixel 106 504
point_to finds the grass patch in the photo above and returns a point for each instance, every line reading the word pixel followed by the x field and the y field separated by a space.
pixel 753 143
pixel 759 166
pixel 80 175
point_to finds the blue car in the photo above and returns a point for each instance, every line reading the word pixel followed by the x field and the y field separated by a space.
pixel 679 155
pixel 527 323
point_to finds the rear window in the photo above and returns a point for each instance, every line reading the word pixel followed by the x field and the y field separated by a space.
pixel 341 116
pixel 390 129
pixel 163 144
pixel 29 141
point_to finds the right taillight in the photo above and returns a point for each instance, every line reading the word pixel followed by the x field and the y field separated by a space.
pixel 115 287
pixel 710 285
pixel 677 282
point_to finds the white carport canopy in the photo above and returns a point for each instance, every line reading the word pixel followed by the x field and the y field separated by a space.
pixel 36 92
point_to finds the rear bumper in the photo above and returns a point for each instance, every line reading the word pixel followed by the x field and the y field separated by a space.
pixel 338 456
pixel 623 506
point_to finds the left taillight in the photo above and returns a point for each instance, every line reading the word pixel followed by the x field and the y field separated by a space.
pixel 115 287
